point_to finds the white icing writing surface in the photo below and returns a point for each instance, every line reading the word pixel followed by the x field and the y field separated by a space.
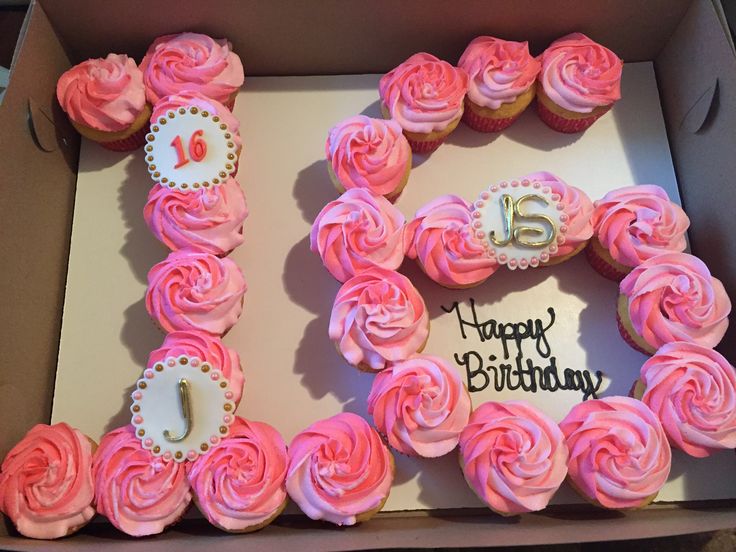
pixel 293 375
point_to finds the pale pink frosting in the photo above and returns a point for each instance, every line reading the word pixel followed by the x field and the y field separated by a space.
pixel 421 405
pixel 692 389
pixel 356 232
pixel 513 456
pixel 207 348
pixel 441 238
pixel 499 70
pixel 368 153
pixel 424 94
pixel 338 469
pixel 139 493
pixel 579 74
pixel 378 316
pixel 191 61
pixel 106 94
pixel 195 291
pixel 636 223
pixel 241 482
pixel 46 482
pixel 208 220
pixel 673 297
pixel 619 454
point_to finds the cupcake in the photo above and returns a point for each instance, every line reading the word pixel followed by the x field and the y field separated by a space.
pixel 339 470
pixel 421 405
pixel 580 80
pixel 378 317
pixel 425 96
pixel 240 485
pixel 633 224
pixel 672 297
pixel 192 62
pixel 367 153
pixel 513 457
pixel 106 101
pixel 619 454
pixel 502 76
pixel 46 487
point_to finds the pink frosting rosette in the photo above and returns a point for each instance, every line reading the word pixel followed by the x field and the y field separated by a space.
pixel 356 232
pixel 619 454
pixel 441 239
pixel 139 493
pixel 46 482
pixel 339 469
pixel 195 291
pixel 673 297
pixel 513 456
pixel 208 220
pixel 378 316
pixel 692 389
pixel 424 94
pixel 106 94
pixel 240 484
pixel 499 71
pixel 636 223
pixel 421 405
pixel 192 61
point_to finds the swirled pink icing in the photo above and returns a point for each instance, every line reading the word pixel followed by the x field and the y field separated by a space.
pixel 673 297
pixel 499 70
pixel 368 153
pixel 513 456
pixel 105 94
pixel 139 493
pixel 692 389
pixel 207 348
pixel 424 94
pixel 421 405
pixel 441 238
pixel 241 482
pixel 619 454
pixel 46 482
pixel 356 232
pixel 195 291
pixel 579 74
pixel 338 469
pixel 378 316
pixel 191 61
pixel 208 220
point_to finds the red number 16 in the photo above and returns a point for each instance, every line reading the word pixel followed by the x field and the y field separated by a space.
pixel 197 148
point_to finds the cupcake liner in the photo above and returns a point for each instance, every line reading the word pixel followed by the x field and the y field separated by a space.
pixel 601 266
pixel 132 142
pixel 424 147
pixel 562 124
pixel 486 124
pixel 627 336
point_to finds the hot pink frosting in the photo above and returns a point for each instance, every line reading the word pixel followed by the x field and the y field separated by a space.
pixel 692 389
pixel 579 74
pixel 208 220
pixel 208 349
pixel 424 94
pixel 139 493
pixel 195 291
pixel 441 238
pixel 339 468
pixel 105 93
pixel 191 61
pixel 378 316
pixel 619 454
pixel 513 456
pixel 368 153
pixel 241 482
pixel 421 405
pixel 636 223
pixel 499 70
pixel 673 297
pixel 46 482
pixel 356 232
